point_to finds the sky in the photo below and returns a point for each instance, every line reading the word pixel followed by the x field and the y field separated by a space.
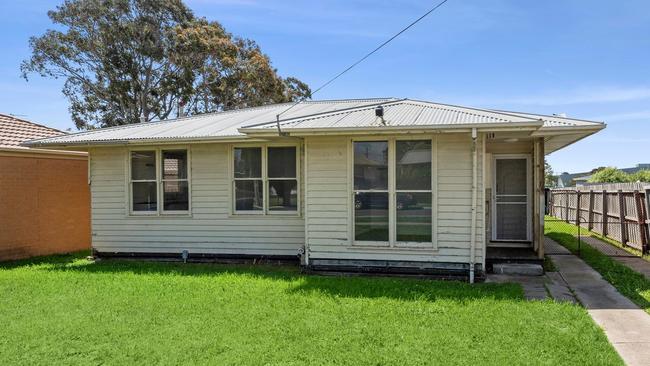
pixel 588 59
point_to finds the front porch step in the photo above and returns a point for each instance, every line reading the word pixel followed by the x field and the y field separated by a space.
pixel 522 269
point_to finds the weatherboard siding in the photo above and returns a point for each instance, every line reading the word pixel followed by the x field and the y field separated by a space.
pixel 326 206
pixel 328 196
pixel 210 228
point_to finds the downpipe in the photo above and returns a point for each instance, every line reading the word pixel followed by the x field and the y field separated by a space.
pixel 472 240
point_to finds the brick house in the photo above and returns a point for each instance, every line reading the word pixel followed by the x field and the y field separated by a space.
pixel 44 195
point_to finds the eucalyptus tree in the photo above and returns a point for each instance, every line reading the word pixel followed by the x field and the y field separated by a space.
pixel 127 61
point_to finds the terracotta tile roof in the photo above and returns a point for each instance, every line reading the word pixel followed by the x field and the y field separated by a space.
pixel 14 131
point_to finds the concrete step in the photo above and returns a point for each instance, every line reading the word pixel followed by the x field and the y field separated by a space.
pixel 523 269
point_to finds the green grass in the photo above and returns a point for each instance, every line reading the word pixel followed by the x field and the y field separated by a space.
pixel 548 264
pixel 67 310
pixel 630 283
pixel 616 243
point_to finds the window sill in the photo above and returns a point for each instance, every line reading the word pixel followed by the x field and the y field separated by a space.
pixel 371 244
pixel 160 215
pixel 415 245
pixel 261 215
pixel 397 246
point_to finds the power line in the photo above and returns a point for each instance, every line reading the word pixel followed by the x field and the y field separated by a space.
pixel 364 57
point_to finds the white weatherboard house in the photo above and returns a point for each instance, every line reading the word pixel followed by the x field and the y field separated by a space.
pixel 374 184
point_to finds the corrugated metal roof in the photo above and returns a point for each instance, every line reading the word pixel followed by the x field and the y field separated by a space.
pixel 556 120
pixel 329 114
pixel 411 113
pixel 209 125
pixel 402 113
pixel 14 131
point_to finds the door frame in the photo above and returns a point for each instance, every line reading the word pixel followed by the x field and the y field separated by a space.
pixel 529 205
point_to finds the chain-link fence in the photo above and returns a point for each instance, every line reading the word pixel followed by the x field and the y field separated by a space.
pixel 577 234
pixel 620 217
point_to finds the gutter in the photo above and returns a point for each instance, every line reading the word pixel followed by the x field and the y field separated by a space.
pixel 140 142
pixel 554 131
pixel 533 126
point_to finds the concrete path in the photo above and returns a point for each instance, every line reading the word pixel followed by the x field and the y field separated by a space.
pixel 636 263
pixel 627 326
pixel 546 287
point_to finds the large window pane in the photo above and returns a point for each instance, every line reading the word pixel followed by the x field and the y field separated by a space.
pixel 282 162
pixel 143 165
pixel 283 195
pixel 176 196
pixel 248 162
pixel 248 195
pixel 371 217
pixel 413 217
pixel 174 164
pixel 413 165
pixel 144 196
pixel 371 165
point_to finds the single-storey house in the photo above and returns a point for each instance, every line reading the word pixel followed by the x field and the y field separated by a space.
pixel 44 195
pixel 364 184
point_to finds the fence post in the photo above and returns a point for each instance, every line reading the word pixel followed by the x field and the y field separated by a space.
pixel 590 215
pixel 605 214
pixel 578 195
pixel 566 209
pixel 621 215
pixel 641 219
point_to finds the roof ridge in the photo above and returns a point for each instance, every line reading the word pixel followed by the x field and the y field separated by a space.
pixel 332 113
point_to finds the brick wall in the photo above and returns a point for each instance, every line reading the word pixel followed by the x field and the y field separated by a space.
pixel 44 205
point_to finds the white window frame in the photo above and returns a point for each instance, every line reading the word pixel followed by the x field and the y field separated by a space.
pixel 265 211
pixel 160 211
pixel 392 193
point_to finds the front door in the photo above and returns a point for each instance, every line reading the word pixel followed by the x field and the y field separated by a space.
pixel 511 203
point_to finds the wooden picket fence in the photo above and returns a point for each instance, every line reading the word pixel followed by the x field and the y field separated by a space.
pixel 620 214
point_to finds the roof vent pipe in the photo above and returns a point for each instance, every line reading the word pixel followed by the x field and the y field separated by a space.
pixel 379 113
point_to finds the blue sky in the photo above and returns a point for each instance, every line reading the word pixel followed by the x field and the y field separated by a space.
pixel 588 59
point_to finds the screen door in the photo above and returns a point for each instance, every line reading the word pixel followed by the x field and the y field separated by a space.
pixel 511 199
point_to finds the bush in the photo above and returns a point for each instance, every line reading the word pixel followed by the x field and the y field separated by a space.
pixel 640 176
pixel 610 175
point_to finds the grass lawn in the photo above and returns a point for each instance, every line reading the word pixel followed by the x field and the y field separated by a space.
pixel 628 282
pixel 68 310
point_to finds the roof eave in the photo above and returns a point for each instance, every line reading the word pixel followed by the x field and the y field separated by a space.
pixel 532 126
pixel 551 131
pixel 126 142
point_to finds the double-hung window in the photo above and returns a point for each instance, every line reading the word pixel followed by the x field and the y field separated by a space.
pixel 392 192
pixel 159 176
pixel 175 185
pixel 265 179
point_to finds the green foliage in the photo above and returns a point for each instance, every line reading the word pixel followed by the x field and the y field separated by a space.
pixel 613 175
pixel 609 175
pixel 549 179
pixel 66 310
pixel 124 61
pixel 641 176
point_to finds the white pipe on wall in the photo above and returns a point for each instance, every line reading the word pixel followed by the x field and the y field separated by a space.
pixel 472 240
